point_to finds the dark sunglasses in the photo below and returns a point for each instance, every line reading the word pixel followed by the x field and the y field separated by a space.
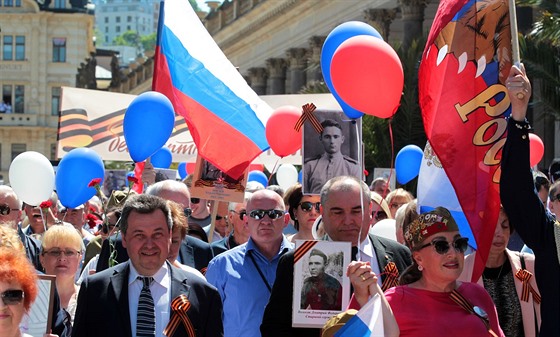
pixel 5 209
pixel 442 246
pixel 379 215
pixel 307 206
pixel 195 200
pixel 241 214
pixel 12 297
pixel 187 211
pixel 220 217
pixel 259 214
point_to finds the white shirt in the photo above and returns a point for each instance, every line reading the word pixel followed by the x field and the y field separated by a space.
pixel 161 293
pixel 367 253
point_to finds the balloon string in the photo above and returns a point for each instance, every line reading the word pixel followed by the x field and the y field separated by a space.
pixel 274 170
pixel 392 154
pixel 358 254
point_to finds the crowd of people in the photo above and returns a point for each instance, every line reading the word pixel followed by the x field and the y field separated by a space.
pixel 159 264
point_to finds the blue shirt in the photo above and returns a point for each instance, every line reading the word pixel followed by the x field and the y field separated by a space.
pixel 243 291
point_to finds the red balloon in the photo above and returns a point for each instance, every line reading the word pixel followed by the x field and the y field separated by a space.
pixel 256 167
pixel 190 168
pixel 283 139
pixel 367 74
pixel 536 149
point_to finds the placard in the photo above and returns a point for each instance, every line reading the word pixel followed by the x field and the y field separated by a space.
pixel 38 321
pixel 333 151
pixel 321 288
pixel 212 184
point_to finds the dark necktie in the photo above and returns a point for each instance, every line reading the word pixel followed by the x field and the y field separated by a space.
pixel 354 253
pixel 145 317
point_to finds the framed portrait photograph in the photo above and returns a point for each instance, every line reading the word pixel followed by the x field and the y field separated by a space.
pixel 38 320
pixel 334 151
pixel 321 288
pixel 212 184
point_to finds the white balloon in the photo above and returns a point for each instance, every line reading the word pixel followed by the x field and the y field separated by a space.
pixel 287 175
pixel 32 177
pixel 385 228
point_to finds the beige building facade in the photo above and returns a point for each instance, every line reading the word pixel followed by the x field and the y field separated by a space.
pixel 41 51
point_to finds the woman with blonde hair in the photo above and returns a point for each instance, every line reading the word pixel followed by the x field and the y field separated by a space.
pixel 61 252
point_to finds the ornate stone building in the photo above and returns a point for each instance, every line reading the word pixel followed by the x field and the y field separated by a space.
pixel 42 48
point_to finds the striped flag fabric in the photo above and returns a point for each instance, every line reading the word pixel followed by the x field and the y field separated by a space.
pixel 225 116
pixel 464 100
pixel 367 322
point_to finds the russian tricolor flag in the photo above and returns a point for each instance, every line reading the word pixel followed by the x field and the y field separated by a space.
pixel 225 116
pixel 367 322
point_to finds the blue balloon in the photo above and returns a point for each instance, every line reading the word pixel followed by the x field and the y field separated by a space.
pixel 182 168
pixel 147 125
pixel 75 171
pixel 407 163
pixel 259 177
pixel 162 158
pixel 300 177
pixel 335 38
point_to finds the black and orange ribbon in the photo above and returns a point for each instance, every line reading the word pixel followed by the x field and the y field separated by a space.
pixel 303 249
pixel 307 114
pixel 392 278
pixel 458 298
pixel 524 276
pixel 179 307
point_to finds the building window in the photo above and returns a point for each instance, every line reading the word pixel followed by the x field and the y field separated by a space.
pixel 129 18
pixel 106 19
pixel 118 19
pixel 8 48
pixel 106 29
pixel 8 3
pixel 59 49
pixel 20 48
pixel 118 29
pixel 55 101
pixel 59 3
pixel 19 99
pixel 17 149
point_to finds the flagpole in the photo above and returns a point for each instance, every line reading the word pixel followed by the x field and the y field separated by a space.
pixel 516 58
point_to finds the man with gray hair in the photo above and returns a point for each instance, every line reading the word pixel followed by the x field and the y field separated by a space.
pixel 147 295
pixel 240 234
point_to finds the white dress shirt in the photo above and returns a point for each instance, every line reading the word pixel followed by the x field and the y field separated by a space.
pixel 161 293
pixel 367 253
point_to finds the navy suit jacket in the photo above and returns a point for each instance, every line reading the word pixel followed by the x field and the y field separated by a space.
pixel 103 304
pixel 193 253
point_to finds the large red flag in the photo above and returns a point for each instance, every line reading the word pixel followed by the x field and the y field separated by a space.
pixel 463 100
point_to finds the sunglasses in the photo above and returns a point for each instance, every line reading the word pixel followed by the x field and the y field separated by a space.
pixel 241 214
pixel 220 217
pixel 12 297
pixel 380 215
pixel 259 214
pixel 442 246
pixel 195 201
pixel 58 253
pixel 307 206
pixel 5 209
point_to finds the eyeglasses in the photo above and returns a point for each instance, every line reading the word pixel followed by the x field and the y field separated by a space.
pixel 107 228
pixel 442 246
pixel 241 214
pixel 12 297
pixel 187 211
pixel 259 214
pixel 379 215
pixel 307 206
pixel 5 209
pixel 195 200
pixel 220 217
pixel 57 253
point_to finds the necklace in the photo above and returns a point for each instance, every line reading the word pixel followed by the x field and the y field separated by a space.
pixel 490 273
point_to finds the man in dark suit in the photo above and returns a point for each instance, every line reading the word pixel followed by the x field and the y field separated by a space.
pixel 193 252
pixel 343 220
pixel 113 302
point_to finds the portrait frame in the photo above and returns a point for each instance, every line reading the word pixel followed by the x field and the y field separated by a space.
pixel 312 148
pixel 338 255
pixel 38 320
pixel 212 184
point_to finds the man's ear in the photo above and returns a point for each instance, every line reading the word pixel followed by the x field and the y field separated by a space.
pixel 123 240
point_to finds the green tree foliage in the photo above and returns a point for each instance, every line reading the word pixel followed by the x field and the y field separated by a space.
pixel 149 42
pixel 128 38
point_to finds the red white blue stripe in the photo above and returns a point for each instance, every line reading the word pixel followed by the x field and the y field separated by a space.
pixel 225 116
pixel 368 321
